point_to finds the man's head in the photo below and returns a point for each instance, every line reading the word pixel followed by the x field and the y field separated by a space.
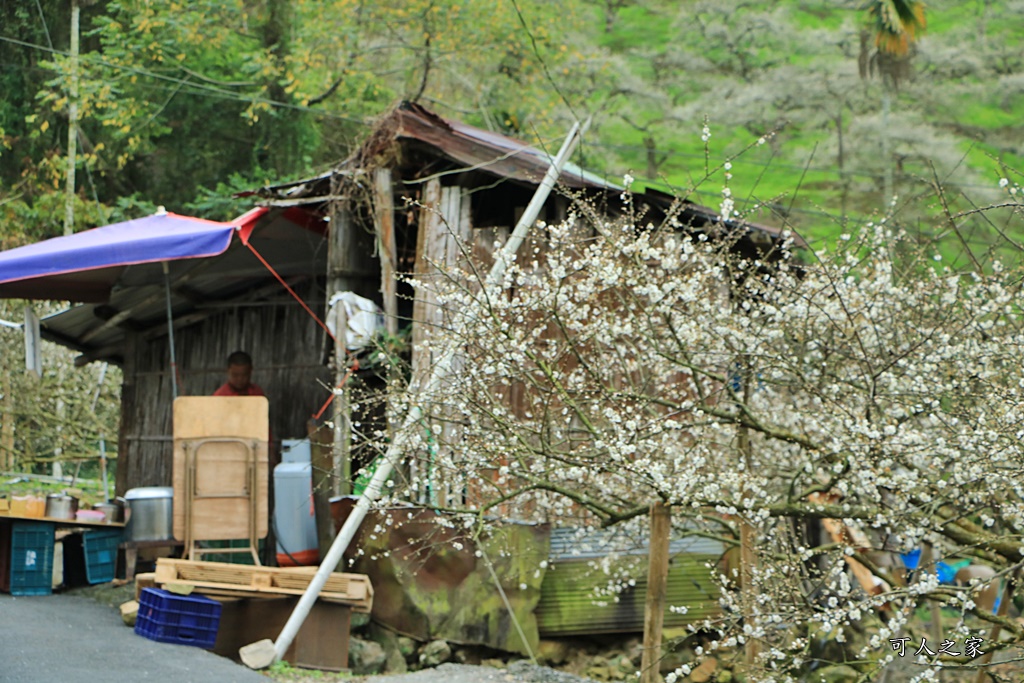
pixel 239 370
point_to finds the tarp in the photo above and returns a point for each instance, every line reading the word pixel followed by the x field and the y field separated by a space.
pixel 84 266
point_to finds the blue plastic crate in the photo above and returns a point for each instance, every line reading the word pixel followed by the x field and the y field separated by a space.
pixel 31 558
pixel 100 549
pixel 182 619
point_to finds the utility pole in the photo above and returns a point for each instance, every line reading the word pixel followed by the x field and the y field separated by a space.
pixel 69 200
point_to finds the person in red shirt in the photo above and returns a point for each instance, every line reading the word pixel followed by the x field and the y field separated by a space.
pixel 239 377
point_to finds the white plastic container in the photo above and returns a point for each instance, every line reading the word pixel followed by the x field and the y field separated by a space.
pixel 294 520
pixel 295 450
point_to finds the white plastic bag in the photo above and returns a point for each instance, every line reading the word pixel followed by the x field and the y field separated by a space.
pixel 365 319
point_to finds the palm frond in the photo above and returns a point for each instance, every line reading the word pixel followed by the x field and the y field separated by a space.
pixel 896 24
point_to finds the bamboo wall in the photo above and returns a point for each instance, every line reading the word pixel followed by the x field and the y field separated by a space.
pixel 286 345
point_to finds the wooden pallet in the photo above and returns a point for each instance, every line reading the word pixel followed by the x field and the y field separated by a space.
pixel 239 580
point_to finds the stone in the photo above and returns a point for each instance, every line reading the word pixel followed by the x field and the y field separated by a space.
pixel 634 648
pixel 703 673
pixel 625 666
pixel 365 657
pixel 468 655
pixel 407 646
pixel 674 658
pixel 840 673
pixel 553 652
pixel 129 611
pixel 395 661
pixel 600 673
pixel 358 621
pixel 493 663
pixel 434 653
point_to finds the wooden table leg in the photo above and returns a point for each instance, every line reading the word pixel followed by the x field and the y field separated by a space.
pixel 131 557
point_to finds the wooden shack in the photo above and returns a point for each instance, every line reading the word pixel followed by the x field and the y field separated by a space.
pixel 416 188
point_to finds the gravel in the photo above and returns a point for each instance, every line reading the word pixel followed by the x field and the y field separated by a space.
pixel 517 672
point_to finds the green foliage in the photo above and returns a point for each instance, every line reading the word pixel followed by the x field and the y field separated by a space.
pixel 52 417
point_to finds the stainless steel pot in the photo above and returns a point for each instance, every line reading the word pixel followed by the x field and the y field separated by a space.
pixel 148 513
pixel 60 506
pixel 111 511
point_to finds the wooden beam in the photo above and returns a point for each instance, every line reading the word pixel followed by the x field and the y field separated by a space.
pixel 423 305
pixel 341 460
pixel 183 321
pixel 384 226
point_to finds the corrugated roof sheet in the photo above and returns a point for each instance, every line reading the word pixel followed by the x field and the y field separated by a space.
pixel 474 148
pixel 578 597
pixel 587 544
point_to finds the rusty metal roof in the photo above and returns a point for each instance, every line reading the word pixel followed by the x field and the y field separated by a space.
pixel 490 152
pixel 474 149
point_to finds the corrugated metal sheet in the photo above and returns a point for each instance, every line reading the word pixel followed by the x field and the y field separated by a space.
pixel 588 544
pixel 578 598
pixel 474 149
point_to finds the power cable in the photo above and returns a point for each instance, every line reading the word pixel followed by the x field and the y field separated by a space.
pixel 781 165
pixel 46 28
pixel 543 64
pixel 227 94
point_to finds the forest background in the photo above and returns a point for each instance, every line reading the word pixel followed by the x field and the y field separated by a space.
pixel 182 104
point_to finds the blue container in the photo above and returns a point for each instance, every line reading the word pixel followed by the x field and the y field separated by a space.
pixel 182 619
pixel 100 549
pixel 31 558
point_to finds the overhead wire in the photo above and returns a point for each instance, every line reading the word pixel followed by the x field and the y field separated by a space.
pixel 191 87
pixel 205 88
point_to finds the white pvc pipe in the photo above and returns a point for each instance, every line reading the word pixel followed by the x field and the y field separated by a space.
pixel 439 371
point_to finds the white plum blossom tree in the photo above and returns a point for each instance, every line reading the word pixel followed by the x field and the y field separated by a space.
pixel 868 386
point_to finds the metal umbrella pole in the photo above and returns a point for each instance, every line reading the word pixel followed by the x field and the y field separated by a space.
pixel 170 330
pixel 263 653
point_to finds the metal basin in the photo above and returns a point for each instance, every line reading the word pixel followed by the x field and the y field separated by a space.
pixel 111 511
pixel 149 513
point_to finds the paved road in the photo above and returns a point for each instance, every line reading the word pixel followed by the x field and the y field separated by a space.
pixel 72 638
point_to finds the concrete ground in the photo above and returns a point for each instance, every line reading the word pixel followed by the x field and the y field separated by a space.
pixel 73 638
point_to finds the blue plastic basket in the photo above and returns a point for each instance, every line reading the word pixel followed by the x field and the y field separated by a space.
pixel 182 619
pixel 31 558
pixel 100 549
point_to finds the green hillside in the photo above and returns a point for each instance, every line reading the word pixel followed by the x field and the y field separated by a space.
pixel 184 103
pixel 791 68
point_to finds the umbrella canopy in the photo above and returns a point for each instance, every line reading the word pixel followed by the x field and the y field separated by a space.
pixel 84 267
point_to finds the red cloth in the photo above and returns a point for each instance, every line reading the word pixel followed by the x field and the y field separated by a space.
pixel 228 390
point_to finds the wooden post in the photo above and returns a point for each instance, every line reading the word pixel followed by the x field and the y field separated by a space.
pixel 423 307
pixel 657 588
pixel 127 449
pixel 341 459
pixel 7 460
pixel 345 268
pixel 993 636
pixel 320 456
pixel 384 226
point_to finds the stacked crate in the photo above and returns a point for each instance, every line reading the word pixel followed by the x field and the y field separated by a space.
pixel 26 558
